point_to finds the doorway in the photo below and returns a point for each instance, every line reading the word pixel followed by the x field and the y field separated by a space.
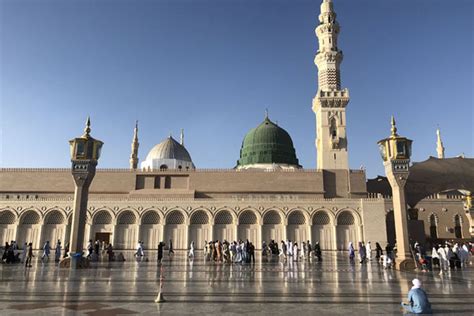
pixel 105 237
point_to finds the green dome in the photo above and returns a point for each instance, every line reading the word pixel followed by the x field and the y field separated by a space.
pixel 267 144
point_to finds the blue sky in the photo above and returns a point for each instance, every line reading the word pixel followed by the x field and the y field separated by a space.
pixel 212 67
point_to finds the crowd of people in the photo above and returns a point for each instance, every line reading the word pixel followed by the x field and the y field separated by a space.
pixel 365 252
pixel 444 257
pixel 12 253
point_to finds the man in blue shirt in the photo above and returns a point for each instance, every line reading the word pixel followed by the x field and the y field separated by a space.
pixel 417 300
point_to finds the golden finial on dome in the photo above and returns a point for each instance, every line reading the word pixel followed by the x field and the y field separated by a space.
pixel 87 130
pixel 394 127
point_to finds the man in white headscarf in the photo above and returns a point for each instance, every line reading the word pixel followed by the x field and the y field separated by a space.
pixel 368 250
pixel 417 300
pixel 443 259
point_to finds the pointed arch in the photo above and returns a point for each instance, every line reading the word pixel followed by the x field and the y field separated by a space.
pixel 224 228
pixel 355 214
pixel 150 217
pixel 249 216
pixel 176 228
pixel 7 217
pixel 151 228
pixel 29 228
pixel 294 212
pixel 55 216
pixel 200 216
pixel 103 217
pixel 176 216
pixel 273 216
pixel 126 217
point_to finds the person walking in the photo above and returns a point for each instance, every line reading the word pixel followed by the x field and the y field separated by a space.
pixel 389 252
pixel 205 250
pixel 295 251
pixel 368 249
pixel 283 250
pixel 160 252
pixel 29 255
pixel 443 259
pixel 310 250
pixel 378 251
pixel 90 249
pixel 435 257
pixel 362 253
pixel 191 250
pixel 351 252
pixel 170 248
pixel 66 250
pixel 418 302
pixel 251 249
pixel 139 252
pixel 233 251
pixel 317 252
pixel 57 251
pixel 46 250
pixel 24 252
pixel 110 252
pixel 304 250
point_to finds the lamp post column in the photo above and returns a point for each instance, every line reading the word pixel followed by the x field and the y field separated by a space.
pixel 85 152
pixel 397 173
pixel 396 152
pixel 83 172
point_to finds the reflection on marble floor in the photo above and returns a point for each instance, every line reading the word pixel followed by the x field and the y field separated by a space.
pixel 198 287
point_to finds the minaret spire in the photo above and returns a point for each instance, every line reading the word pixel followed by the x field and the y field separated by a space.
pixel 331 100
pixel 135 144
pixel 181 140
pixel 439 145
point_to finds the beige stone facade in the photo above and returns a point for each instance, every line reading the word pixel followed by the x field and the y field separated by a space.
pixel 126 206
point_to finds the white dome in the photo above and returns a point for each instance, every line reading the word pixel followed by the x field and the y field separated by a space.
pixel 169 154
pixel 169 149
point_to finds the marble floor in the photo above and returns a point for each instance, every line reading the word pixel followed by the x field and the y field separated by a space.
pixel 268 287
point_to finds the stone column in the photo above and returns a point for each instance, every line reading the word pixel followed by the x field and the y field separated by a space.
pixel 397 174
pixel 83 172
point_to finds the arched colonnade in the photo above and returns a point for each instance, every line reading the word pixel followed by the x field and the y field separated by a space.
pixel 333 230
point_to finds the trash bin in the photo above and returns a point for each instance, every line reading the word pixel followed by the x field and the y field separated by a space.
pixel 75 260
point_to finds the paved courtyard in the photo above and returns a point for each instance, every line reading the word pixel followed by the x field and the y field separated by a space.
pixel 197 288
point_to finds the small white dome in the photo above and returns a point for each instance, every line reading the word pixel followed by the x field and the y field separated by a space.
pixel 169 149
pixel 169 154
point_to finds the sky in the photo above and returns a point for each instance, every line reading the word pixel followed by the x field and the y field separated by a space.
pixel 212 67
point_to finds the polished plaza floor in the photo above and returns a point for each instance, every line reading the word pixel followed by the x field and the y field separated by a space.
pixel 198 288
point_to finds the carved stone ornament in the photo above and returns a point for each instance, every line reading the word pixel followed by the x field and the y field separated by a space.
pixel 140 208
pixel 189 208
pixel 237 208
pixel 444 209
pixel 261 208
pixel 334 208
pixel 310 208
pixel 213 208
pixel 164 208
pixel 67 208
pixel 116 208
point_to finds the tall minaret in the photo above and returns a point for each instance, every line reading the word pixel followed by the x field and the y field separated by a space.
pixel 330 101
pixel 135 144
pixel 439 145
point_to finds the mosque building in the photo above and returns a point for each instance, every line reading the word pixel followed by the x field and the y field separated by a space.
pixel 267 196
